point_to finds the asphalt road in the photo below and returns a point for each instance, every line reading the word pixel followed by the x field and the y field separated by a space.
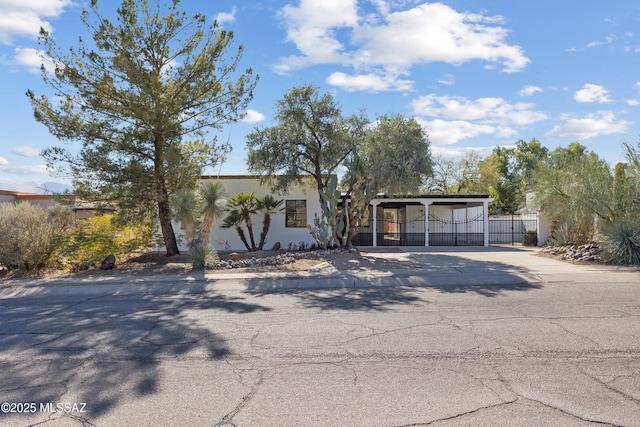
pixel 556 351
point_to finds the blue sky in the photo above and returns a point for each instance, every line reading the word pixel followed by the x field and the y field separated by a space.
pixel 475 73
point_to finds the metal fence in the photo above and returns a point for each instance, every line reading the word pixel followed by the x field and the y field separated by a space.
pixel 514 229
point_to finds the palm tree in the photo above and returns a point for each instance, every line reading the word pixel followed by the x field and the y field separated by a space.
pixel 245 205
pixel 267 206
pixel 234 220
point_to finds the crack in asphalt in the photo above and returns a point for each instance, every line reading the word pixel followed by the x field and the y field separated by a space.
pixel 228 418
pixel 461 414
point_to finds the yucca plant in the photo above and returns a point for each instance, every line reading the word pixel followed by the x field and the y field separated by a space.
pixel 621 242
pixel 197 211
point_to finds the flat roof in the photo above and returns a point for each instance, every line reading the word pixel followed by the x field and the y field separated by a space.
pixel 432 196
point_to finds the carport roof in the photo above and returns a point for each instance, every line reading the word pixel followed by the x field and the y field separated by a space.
pixel 433 196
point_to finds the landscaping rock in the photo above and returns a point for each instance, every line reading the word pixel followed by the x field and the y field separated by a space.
pixel 581 253
pixel 108 263
pixel 280 259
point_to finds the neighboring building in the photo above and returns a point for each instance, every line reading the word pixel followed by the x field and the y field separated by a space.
pixel 81 209
pixel 425 220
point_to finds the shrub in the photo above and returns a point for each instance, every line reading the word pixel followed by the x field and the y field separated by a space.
pixel 203 257
pixel 621 242
pixel 530 238
pixel 99 236
pixel 31 234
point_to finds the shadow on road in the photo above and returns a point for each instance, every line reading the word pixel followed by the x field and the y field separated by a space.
pixel 365 299
pixel 108 347
pixel 383 278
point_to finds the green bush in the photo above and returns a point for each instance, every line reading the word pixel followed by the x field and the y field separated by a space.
pixel 99 236
pixel 621 242
pixel 203 257
pixel 530 238
pixel 31 234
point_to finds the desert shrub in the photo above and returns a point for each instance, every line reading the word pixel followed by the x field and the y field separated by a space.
pixel 99 236
pixel 530 238
pixel 621 242
pixel 31 234
pixel 203 257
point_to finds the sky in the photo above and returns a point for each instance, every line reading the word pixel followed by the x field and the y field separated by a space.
pixel 475 74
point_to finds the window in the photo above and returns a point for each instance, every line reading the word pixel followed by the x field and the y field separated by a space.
pixel 296 213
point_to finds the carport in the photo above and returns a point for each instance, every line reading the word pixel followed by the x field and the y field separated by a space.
pixel 427 220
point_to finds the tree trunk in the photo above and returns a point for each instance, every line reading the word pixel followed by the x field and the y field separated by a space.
pixel 247 220
pixel 243 238
pixel 266 224
pixel 169 236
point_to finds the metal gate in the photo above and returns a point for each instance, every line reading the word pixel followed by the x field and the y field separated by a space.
pixel 392 232
pixel 456 232
pixel 402 233
pixel 514 229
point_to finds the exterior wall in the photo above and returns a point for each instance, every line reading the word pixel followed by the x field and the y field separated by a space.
pixel 278 232
pixel 544 230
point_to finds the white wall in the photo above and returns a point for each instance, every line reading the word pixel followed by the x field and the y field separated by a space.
pixel 278 232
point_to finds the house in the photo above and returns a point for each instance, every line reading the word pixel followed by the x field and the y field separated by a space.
pixel 81 209
pixel 415 220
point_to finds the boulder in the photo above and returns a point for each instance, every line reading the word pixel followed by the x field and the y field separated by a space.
pixel 108 263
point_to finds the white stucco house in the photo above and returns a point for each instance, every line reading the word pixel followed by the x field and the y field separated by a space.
pixel 416 220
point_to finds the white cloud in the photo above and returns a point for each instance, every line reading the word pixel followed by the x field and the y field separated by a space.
pixel 530 90
pixel 457 153
pixel 224 17
pixel 633 102
pixel 390 42
pixel 445 132
pixel 3 161
pixel 311 26
pixel 592 125
pixel 434 32
pixel 592 93
pixel 607 40
pixel 26 17
pixel 252 117
pixel 485 110
pixel 24 170
pixel 447 79
pixel 32 59
pixel 23 150
pixel 369 82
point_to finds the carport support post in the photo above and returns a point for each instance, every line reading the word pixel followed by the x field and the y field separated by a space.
pixel 426 221
pixel 485 222
pixel 374 206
